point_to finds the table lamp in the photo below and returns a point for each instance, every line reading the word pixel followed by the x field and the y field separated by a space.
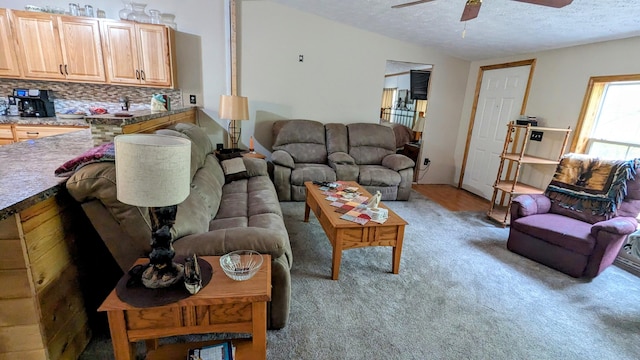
pixel 154 171
pixel 232 108
pixel 418 127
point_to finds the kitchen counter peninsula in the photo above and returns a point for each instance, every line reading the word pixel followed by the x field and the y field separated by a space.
pixel 47 121
pixel 105 127
pixel 27 170
pixel 41 303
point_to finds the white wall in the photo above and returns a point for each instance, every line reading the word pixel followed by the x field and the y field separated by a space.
pixel 558 86
pixel 340 80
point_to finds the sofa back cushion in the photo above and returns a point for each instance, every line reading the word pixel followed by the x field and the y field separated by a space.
pixel 337 138
pixel 203 202
pixel 369 143
pixel 304 140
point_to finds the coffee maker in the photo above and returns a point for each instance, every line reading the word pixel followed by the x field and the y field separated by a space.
pixel 34 103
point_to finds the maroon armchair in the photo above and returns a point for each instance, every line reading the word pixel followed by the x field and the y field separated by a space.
pixel 581 222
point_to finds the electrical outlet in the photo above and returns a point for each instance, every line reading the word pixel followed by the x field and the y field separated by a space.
pixel 300 58
pixel 426 161
pixel 192 99
pixel 536 136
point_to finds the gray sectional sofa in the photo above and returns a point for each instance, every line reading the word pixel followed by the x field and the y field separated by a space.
pixel 216 217
pixel 308 150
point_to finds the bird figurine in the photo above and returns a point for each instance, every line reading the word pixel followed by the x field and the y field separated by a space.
pixel 192 276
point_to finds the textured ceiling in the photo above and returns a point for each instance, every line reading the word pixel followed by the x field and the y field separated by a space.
pixel 503 28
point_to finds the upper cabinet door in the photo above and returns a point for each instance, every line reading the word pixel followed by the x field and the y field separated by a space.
pixel 81 49
pixel 39 44
pixel 154 55
pixel 9 66
pixel 121 52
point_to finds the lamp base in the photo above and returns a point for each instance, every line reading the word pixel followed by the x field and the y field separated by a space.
pixel 162 276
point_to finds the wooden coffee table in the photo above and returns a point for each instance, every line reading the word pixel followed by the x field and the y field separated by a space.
pixel 344 235
pixel 223 306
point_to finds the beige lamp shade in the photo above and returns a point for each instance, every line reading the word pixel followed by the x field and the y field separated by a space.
pixel 234 107
pixel 152 170
pixel 419 124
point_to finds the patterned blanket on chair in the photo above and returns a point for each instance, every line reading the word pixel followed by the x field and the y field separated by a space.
pixel 588 184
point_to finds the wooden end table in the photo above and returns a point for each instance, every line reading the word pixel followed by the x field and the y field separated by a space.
pixel 345 235
pixel 223 306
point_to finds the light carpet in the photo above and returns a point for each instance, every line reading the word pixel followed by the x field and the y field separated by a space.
pixel 460 294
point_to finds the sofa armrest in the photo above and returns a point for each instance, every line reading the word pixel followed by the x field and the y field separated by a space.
pixel 344 165
pixel 283 158
pixel 620 225
pixel 272 241
pixel 525 205
pixel 255 167
pixel 397 162
pixel 341 158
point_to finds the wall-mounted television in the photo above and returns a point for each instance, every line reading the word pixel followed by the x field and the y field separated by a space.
pixel 419 80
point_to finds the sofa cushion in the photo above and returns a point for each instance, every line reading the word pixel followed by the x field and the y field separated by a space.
pixel 311 172
pixel 304 140
pixel 370 143
pixel 378 175
pixel 234 169
pixel 337 138
pixel 566 232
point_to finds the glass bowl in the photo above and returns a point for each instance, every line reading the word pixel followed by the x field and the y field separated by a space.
pixel 241 265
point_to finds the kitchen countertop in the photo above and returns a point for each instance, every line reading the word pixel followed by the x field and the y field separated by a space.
pixel 138 116
pixel 49 121
pixel 27 171
pixel 106 119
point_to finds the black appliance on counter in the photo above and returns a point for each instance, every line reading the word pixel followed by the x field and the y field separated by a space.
pixel 34 103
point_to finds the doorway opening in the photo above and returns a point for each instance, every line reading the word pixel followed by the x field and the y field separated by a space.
pixel 403 106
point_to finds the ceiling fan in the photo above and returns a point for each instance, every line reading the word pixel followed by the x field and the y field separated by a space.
pixel 472 8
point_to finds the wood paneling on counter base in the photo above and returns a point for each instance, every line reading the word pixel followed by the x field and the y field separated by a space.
pixel 42 312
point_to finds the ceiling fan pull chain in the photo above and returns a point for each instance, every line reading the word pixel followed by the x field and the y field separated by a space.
pixel 464 31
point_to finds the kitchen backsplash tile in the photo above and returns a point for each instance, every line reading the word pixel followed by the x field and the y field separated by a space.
pixel 82 96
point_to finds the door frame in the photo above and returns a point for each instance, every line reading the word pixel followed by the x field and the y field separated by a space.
pixel 474 107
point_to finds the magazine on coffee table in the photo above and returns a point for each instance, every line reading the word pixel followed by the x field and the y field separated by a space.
pixel 221 351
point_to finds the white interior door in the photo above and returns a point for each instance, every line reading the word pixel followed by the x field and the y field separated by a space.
pixel 499 102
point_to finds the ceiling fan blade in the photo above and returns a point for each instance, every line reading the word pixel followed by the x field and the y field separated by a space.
pixel 410 4
pixel 551 3
pixel 471 10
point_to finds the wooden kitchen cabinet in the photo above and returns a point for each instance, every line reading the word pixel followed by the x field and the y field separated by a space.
pixel 10 133
pixel 27 132
pixel 59 47
pixel 138 54
pixel 9 66
pixel 6 134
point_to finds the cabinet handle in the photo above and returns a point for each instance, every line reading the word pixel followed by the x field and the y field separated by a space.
pixel 66 71
pixel 142 75
pixel 61 73
pixel 138 74
pixel 36 133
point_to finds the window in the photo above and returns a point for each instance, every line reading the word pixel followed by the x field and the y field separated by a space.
pixel 609 124
pixel 616 130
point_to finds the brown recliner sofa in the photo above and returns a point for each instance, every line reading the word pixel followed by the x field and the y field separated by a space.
pixel 216 217
pixel 307 150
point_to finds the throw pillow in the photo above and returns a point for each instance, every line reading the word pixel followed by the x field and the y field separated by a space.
pixel 228 156
pixel 234 169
